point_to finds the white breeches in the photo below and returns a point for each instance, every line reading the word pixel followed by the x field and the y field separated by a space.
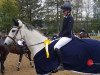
pixel 63 41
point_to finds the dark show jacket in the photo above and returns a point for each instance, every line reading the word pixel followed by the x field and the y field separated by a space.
pixel 66 31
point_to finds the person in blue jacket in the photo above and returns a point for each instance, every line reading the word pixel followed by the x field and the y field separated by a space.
pixel 83 30
pixel 66 32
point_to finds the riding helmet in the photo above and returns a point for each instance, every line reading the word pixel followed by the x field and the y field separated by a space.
pixel 66 6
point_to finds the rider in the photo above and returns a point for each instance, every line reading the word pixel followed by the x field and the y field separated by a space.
pixel 55 36
pixel 66 32
pixel 82 30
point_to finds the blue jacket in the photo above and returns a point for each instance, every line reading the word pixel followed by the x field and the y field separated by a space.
pixel 66 31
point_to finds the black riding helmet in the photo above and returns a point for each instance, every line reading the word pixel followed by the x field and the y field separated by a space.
pixel 66 6
pixel 82 30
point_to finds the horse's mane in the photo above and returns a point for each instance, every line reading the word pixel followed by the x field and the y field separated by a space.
pixel 31 28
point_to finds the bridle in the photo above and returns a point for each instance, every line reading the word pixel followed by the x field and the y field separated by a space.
pixel 17 32
pixel 13 38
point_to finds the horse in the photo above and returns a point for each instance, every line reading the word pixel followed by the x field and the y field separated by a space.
pixel 13 48
pixel 3 55
pixel 83 35
pixel 81 55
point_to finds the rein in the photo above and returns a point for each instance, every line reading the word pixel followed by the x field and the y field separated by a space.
pixel 12 39
pixel 35 44
pixel 28 46
pixel 17 32
pixel 46 42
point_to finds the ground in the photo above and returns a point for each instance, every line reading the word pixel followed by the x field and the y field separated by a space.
pixel 12 60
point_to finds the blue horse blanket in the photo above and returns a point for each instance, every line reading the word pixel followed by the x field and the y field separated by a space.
pixel 75 56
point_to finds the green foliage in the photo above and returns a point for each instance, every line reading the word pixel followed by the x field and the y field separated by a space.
pixel 8 10
pixel 36 23
pixel 49 15
pixel 53 15
pixel 95 25
pixel 29 9
pixel 52 27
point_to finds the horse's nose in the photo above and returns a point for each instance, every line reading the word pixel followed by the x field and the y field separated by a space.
pixel 5 43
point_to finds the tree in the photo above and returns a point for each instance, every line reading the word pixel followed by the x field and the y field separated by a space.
pixel 29 9
pixel 8 10
pixel 52 15
pixel 96 16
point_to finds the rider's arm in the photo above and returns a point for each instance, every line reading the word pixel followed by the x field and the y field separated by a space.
pixel 67 26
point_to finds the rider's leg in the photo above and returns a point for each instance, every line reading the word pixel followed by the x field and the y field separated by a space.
pixel 63 41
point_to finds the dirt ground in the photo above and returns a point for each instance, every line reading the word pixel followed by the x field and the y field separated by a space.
pixel 12 60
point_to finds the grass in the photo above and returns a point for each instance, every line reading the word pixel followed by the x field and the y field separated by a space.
pixel 95 37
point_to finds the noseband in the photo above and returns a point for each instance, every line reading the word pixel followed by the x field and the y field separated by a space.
pixel 13 38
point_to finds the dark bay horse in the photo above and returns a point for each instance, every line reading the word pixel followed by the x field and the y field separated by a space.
pixel 83 35
pixel 13 48
pixel 3 55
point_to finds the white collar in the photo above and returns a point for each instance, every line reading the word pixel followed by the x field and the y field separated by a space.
pixel 65 16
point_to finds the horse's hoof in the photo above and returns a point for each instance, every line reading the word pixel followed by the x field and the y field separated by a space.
pixel 60 67
pixel 2 72
pixel 54 71
pixel 31 64
pixel 18 69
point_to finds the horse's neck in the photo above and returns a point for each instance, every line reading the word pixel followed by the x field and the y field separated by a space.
pixel 34 37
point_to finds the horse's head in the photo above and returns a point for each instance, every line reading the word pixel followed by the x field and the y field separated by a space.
pixel 15 32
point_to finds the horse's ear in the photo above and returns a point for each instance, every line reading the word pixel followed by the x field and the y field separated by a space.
pixel 15 22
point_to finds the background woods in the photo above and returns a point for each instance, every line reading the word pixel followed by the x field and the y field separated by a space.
pixel 46 15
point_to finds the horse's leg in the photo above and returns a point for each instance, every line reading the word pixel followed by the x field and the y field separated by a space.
pixel 3 57
pixel 1 63
pixel 2 68
pixel 29 57
pixel 20 59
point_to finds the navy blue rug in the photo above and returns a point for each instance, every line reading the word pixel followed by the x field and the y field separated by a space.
pixel 82 55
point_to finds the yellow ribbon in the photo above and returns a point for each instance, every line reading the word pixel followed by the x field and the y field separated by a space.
pixel 46 43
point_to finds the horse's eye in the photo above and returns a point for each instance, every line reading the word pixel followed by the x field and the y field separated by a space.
pixel 13 31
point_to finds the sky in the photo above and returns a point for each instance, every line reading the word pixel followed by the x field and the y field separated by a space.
pixel 87 4
pixel 88 7
pixel 43 2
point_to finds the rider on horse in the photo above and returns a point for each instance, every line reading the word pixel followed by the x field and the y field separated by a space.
pixel 83 34
pixel 66 32
pixel 82 30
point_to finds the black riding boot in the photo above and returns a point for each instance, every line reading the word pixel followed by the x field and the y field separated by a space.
pixel 60 67
pixel 58 52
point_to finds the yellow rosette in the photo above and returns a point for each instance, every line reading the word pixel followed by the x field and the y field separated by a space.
pixel 46 43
